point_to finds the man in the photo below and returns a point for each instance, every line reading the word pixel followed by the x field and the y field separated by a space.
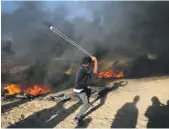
pixel 81 89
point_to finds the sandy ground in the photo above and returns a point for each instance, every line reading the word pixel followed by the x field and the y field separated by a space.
pixel 116 109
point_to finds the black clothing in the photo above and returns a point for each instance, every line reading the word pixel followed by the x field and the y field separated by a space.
pixel 82 76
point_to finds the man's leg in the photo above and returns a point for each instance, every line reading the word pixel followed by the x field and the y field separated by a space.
pixel 83 96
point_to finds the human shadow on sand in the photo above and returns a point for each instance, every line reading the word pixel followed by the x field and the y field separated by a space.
pixel 10 106
pixel 158 114
pixel 103 95
pixel 126 117
pixel 47 118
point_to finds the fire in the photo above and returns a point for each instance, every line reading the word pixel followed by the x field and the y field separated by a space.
pixel 34 90
pixel 12 89
pixel 37 90
pixel 110 74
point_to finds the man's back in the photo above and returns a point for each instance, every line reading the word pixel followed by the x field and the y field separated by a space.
pixel 82 76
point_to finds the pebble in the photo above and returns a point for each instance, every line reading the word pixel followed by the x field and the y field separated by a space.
pixel 22 116
pixel 9 123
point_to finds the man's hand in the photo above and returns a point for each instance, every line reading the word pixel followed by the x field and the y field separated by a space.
pixel 94 59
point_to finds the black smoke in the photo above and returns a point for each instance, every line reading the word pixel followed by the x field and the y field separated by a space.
pixel 31 39
pixel 130 27
pixel 127 29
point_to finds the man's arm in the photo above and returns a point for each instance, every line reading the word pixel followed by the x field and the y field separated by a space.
pixel 95 70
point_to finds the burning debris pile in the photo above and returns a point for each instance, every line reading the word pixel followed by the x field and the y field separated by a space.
pixel 110 74
pixel 11 90
pixel 32 81
pixel 141 66
pixel 34 91
pixel 14 91
pixel 37 90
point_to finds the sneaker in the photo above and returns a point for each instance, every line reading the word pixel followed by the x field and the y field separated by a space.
pixel 76 121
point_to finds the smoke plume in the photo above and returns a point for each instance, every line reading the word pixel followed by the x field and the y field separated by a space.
pixel 116 29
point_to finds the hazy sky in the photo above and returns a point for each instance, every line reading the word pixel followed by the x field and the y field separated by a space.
pixel 76 9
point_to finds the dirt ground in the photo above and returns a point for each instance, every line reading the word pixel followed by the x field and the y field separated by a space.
pixel 128 106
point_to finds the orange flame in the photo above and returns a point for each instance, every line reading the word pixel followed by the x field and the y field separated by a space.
pixel 35 90
pixel 12 89
pixel 110 74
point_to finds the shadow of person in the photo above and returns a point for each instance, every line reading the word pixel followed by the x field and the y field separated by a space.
pixel 85 123
pixel 10 106
pixel 158 114
pixel 47 118
pixel 115 86
pixel 126 117
pixel 103 95
pixel 62 115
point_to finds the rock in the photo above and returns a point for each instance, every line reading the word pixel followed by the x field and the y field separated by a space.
pixel 9 123
pixel 22 116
